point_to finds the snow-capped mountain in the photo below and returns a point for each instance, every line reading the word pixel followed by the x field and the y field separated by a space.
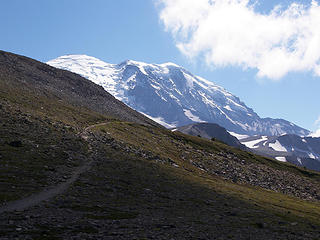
pixel 172 96
pixel 302 151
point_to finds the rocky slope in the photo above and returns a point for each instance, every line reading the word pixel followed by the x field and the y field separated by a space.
pixel 137 181
pixel 173 96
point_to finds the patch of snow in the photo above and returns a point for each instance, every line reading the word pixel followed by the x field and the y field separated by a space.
pixel 160 120
pixel 155 87
pixel 175 98
pixel 161 96
pixel 252 144
pixel 206 100
pixel 192 117
pixel 303 140
pixel 189 80
pixel 210 85
pixel 169 64
pixel 243 126
pixel 228 108
pixel 205 81
pixel 238 136
pixel 299 160
pixel 277 146
pixel 238 105
pixel 205 84
pixel 281 159
pixel 311 156
pixel 226 115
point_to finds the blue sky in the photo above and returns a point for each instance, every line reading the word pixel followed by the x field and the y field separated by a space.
pixel 116 30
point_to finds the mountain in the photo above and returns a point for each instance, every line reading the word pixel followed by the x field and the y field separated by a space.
pixel 209 131
pixel 172 96
pixel 78 164
pixel 301 151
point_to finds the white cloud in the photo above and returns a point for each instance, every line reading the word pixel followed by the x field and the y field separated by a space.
pixel 232 32
pixel 317 132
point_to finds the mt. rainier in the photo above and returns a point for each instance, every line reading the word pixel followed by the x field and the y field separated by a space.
pixel 172 96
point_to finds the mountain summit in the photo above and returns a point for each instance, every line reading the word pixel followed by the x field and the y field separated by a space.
pixel 172 96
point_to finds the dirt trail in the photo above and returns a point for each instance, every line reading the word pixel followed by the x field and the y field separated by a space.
pixel 93 126
pixel 85 131
pixel 35 199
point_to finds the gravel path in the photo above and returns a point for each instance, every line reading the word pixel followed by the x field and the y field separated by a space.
pixel 35 199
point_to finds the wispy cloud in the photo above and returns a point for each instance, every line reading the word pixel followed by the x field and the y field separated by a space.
pixel 232 32
pixel 317 132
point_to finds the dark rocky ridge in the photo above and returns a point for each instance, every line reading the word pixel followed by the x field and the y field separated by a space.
pixel 209 131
